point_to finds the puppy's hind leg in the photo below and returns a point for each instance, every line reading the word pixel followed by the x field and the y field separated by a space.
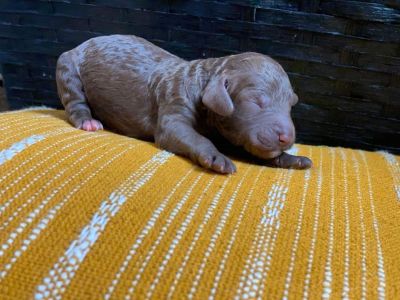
pixel 70 90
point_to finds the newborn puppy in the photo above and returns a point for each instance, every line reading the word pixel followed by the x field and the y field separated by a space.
pixel 140 90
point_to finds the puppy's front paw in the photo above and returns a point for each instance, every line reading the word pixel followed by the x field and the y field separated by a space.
pixel 90 125
pixel 217 162
pixel 288 161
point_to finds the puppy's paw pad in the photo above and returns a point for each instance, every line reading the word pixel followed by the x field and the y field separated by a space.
pixel 91 125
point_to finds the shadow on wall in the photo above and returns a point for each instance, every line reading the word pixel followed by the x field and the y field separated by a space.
pixel 3 100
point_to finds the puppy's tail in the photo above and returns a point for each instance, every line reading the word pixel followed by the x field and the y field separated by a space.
pixel 71 93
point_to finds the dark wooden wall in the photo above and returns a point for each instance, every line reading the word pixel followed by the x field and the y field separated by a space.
pixel 343 57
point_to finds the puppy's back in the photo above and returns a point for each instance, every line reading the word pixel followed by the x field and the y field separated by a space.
pixel 115 71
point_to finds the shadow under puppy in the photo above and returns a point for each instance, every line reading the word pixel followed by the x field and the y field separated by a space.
pixel 140 90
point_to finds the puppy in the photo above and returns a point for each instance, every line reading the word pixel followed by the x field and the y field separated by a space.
pixel 137 89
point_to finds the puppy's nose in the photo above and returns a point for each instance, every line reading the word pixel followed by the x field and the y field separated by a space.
pixel 285 139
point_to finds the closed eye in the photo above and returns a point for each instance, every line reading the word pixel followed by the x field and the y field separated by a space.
pixel 263 101
pixel 260 104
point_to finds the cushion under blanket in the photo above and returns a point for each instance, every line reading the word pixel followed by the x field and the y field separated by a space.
pixel 103 216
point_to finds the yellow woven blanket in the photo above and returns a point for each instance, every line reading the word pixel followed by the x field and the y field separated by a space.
pixel 102 216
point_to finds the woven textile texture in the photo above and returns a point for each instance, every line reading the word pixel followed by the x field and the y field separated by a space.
pixel 102 216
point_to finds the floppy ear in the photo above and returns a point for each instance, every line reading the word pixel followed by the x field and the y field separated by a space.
pixel 216 97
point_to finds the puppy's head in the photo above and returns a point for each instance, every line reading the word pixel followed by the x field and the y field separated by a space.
pixel 250 99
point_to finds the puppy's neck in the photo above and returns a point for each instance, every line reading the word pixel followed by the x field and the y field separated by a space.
pixel 182 83
pixel 201 70
pixel 199 74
